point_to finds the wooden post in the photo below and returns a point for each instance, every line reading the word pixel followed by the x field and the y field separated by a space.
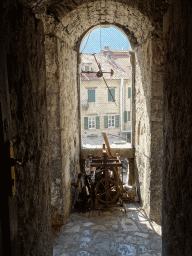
pixel 132 178
pixel 107 143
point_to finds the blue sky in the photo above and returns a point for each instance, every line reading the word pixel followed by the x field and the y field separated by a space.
pixel 101 37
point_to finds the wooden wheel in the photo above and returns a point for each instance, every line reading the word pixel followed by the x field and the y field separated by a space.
pixel 107 191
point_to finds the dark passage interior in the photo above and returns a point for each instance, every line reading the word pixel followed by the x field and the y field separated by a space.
pixel 40 115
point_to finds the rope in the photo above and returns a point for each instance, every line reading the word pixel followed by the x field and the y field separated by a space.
pixel 86 42
pixel 100 38
pixel 99 66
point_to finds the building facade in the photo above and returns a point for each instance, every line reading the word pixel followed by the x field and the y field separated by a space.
pixel 106 102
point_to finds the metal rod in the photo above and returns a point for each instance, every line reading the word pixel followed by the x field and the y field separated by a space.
pixel 99 66
pixel 94 72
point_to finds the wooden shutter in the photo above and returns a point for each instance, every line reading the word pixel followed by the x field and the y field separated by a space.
pixel 129 115
pixel 105 121
pixel 125 116
pixel 129 92
pixel 86 123
pixel 91 95
pixel 97 122
pixel 117 121
pixel 113 94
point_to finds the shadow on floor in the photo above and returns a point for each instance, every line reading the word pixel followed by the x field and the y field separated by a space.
pixel 111 232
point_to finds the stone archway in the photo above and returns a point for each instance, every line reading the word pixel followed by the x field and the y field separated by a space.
pixel 63 38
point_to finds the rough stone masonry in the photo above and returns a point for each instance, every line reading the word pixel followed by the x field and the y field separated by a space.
pixel 42 64
pixel 62 45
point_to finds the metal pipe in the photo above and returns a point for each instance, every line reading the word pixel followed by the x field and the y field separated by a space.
pixel 121 102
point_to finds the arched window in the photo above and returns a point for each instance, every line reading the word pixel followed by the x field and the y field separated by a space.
pixel 105 88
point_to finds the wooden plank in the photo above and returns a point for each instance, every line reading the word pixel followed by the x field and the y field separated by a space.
pixel 105 164
pixel 108 160
pixel 107 143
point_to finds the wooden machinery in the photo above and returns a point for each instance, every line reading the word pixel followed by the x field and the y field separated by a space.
pixel 100 180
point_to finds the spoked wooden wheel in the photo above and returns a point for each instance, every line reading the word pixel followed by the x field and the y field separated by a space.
pixel 107 191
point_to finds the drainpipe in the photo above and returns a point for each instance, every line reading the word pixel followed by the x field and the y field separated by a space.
pixel 121 103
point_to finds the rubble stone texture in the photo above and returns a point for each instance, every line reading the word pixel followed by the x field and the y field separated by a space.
pixel 62 44
pixel 27 86
pixel 149 124
pixel 63 123
pixel 47 136
pixel 177 221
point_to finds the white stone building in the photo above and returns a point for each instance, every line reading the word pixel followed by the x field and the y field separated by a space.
pixel 101 109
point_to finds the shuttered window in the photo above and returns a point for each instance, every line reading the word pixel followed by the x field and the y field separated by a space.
pixel 129 115
pixel 86 123
pixel 129 137
pixel 91 95
pixel 117 121
pixel 111 121
pixel 105 121
pixel 91 123
pixel 125 116
pixel 110 98
pixel 129 92
pixel 97 122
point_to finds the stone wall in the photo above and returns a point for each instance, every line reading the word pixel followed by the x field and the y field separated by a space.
pixel 177 159
pixel 54 129
pixel 69 122
pixel 156 129
pixel 74 25
pixel 62 41
pixel 143 122
pixel 27 85
pixel 148 128
pixel 63 120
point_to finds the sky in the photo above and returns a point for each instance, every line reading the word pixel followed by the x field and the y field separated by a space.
pixel 101 37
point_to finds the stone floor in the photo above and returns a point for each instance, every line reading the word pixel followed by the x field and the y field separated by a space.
pixel 110 232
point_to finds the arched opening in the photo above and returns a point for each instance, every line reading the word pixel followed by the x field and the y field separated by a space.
pixel 22 54
pixel 105 88
pixel 63 60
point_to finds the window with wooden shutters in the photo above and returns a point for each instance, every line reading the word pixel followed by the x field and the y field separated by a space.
pixel 111 121
pixel 105 121
pixel 117 121
pixel 129 115
pixel 91 123
pixel 97 122
pixel 129 92
pixel 110 98
pixel 86 123
pixel 91 95
pixel 129 137
pixel 125 116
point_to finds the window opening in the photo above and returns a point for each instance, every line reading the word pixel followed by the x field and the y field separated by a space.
pixel 129 92
pixel 105 88
pixel 91 122
pixel 111 95
pixel 111 122
pixel 91 95
pixel 86 68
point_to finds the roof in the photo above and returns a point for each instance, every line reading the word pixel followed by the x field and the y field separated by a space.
pixel 117 60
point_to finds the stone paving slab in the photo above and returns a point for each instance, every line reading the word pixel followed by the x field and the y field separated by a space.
pixel 113 232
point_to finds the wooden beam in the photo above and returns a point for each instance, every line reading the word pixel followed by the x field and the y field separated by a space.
pixel 107 143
